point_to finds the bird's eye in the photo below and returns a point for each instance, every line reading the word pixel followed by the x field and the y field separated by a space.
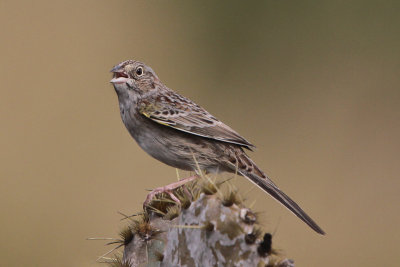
pixel 139 71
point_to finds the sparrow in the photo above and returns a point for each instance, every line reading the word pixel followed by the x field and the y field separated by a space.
pixel 176 131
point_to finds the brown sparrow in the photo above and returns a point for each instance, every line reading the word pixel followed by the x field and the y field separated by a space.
pixel 180 133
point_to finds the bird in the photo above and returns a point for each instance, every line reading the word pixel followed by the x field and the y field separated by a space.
pixel 176 131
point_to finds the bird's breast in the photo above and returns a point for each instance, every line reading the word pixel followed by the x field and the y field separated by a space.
pixel 157 140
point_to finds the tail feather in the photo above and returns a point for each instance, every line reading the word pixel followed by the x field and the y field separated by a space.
pixel 268 186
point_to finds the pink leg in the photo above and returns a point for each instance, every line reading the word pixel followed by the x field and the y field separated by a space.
pixel 168 189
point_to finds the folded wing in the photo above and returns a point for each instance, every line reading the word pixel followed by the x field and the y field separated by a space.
pixel 182 114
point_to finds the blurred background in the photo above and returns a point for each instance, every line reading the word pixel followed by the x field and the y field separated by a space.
pixel 314 84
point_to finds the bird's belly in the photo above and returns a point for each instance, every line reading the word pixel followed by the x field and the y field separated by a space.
pixel 165 153
pixel 170 146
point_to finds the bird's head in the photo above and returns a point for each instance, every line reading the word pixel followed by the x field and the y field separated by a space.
pixel 130 77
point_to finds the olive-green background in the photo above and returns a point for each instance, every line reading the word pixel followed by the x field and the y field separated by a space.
pixel 314 84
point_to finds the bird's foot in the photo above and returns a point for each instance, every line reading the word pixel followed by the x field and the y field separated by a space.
pixel 168 189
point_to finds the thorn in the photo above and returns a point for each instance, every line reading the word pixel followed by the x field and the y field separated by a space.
pixel 252 204
pixel 156 210
pixel 101 238
pixel 248 191
pixel 129 216
pixel 108 252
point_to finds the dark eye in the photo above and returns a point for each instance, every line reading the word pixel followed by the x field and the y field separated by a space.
pixel 139 71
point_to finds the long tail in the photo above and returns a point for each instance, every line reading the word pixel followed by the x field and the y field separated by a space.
pixel 268 186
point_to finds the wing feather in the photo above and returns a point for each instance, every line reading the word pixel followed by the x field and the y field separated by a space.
pixel 182 114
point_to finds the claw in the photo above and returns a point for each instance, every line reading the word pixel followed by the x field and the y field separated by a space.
pixel 168 189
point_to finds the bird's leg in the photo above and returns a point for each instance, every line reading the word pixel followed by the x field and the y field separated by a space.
pixel 168 189
pixel 188 194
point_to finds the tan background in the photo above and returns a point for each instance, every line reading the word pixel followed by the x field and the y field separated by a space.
pixel 315 85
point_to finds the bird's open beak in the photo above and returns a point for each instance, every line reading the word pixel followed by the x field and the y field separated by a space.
pixel 119 76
